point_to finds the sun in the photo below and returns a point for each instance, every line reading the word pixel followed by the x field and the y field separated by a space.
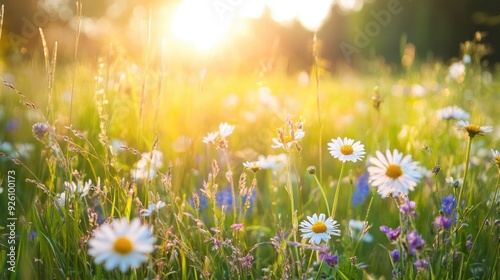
pixel 199 24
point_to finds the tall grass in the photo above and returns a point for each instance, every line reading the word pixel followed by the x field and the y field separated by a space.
pixel 222 221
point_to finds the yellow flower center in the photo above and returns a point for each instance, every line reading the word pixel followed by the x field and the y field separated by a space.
pixel 393 171
pixel 319 227
pixel 123 245
pixel 473 130
pixel 497 161
pixel 287 139
pixel 346 150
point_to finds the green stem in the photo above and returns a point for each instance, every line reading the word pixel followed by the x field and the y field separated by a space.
pixel 323 193
pixel 316 76
pixel 337 189
pixel 289 189
pixel 467 157
pixel 493 203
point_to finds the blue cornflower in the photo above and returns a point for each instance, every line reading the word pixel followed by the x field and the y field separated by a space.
pixel 395 255
pixel 362 190
pixel 224 197
pixel 448 204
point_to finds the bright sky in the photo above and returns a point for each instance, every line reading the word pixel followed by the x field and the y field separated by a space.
pixel 203 23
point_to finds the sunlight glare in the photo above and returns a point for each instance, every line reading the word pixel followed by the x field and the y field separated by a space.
pixel 197 22
pixel 283 11
pixel 253 9
pixel 312 14
pixel 350 5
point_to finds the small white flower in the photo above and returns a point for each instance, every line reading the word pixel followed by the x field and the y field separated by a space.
pixel 151 208
pixel 273 162
pixel 318 229
pixel 61 199
pixel 456 71
pixel 453 113
pixel 121 245
pixel 210 138
pixel 288 140
pixel 346 149
pixel 218 138
pixel 148 165
pixel 1 190
pixel 254 165
pixel 393 174
pixel 225 129
pixel 79 188
pixel 473 130
pixel 454 182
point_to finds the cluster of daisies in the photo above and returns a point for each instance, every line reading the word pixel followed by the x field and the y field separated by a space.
pixel 123 244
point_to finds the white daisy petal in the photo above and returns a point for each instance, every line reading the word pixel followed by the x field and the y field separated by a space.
pixel 121 244
pixel 318 229
pixel 393 174
pixel 346 150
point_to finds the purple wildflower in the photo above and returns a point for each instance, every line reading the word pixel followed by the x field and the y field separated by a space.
pixel 468 242
pixel 395 255
pixel 237 227
pixel 12 125
pixel 442 222
pixel 408 207
pixel 331 260
pixel 421 264
pixel 415 241
pixel 392 234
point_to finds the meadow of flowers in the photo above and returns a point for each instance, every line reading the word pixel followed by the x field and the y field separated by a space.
pixel 127 171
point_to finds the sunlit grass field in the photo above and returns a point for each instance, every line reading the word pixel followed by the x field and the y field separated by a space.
pixel 88 142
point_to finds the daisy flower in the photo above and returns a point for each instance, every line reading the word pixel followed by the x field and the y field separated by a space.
pixel 225 129
pixel 254 165
pixel 286 141
pixel 317 228
pixel 218 138
pixel 210 138
pixel 289 134
pixel 453 113
pixel 121 245
pixel 474 130
pixel 393 174
pixel 346 149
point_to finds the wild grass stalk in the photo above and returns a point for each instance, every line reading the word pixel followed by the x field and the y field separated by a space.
pixel 337 191
pixel 318 111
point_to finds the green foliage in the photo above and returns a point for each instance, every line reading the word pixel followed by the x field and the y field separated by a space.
pixel 220 220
